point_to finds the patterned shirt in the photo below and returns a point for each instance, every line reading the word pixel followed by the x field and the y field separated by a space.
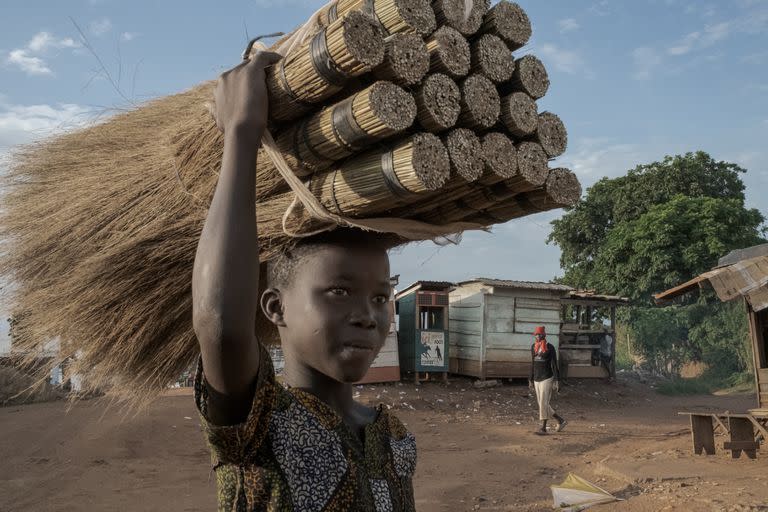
pixel 294 454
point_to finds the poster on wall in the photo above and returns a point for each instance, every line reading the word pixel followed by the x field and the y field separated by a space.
pixel 432 345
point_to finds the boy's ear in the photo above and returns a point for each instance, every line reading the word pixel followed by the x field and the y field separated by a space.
pixel 272 306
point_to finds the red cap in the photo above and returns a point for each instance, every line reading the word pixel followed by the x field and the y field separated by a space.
pixel 539 330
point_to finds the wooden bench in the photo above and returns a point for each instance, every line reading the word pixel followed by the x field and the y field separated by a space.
pixel 739 427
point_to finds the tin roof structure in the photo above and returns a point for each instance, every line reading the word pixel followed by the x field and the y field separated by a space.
pixel 531 285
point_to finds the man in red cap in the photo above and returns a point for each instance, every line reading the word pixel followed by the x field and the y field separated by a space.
pixel 545 376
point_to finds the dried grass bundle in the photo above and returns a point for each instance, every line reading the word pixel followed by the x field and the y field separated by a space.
pixel 510 22
pixel 480 103
pixel 452 14
pixel 491 58
pixel 394 15
pixel 406 60
pixel 438 103
pixel 319 68
pixel 551 134
pixel 449 52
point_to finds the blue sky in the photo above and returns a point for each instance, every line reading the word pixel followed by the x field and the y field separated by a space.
pixel 633 81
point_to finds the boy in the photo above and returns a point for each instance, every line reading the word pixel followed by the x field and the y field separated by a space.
pixel 309 446
pixel 545 377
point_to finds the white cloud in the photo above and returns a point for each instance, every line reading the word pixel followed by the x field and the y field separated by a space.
pixel 646 61
pixel 600 8
pixel 28 64
pixel 568 24
pixel 711 35
pixel 100 27
pixel 44 41
pixel 129 36
pixel 24 123
pixel 567 61
pixel 30 58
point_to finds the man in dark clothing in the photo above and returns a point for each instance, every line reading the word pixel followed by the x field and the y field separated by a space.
pixel 545 377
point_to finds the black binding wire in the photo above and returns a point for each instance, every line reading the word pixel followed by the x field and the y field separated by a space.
pixel 345 128
pixel 390 178
pixel 322 62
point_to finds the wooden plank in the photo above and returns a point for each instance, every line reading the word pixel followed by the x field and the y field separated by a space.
pixel 741 445
pixel 702 434
pixel 466 367
pixel 742 431
pixel 763 374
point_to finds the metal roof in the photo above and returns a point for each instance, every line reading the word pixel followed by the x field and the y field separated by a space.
pixel 746 278
pixel 530 285
pixel 426 285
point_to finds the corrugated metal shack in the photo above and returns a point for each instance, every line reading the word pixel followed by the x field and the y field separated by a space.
pixel 491 322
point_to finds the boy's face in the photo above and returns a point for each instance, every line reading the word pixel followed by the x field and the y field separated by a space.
pixel 336 314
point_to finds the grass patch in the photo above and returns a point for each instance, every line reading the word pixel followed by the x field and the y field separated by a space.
pixel 707 384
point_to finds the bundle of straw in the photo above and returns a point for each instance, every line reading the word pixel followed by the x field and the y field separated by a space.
pixel 551 134
pixel 336 132
pixel 519 114
pixel 530 76
pixel 480 103
pixel 406 60
pixel 449 52
pixel 438 103
pixel 492 58
pixel 348 47
pixel 394 15
pixel 510 22
pixel 452 13
pixel 101 225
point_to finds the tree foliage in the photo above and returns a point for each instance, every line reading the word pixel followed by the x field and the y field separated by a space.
pixel 662 224
pixel 599 237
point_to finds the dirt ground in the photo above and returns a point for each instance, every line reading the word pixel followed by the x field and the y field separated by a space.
pixel 476 452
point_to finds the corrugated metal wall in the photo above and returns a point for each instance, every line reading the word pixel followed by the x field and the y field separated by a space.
pixel 492 328
pixel 465 317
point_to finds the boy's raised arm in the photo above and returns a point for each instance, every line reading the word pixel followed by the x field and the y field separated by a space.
pixel 226 271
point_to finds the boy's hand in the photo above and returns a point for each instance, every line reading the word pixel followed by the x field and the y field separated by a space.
pixel 241 98
pixel 556 386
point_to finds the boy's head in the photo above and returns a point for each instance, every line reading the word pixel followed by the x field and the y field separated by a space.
pixel 328 296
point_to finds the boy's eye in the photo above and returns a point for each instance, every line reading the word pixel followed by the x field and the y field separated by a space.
pixel 339 291
pixel 380 299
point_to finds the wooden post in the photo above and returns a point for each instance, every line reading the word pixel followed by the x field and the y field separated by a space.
pixel 703 434
pixel 754 334
pixel 742 438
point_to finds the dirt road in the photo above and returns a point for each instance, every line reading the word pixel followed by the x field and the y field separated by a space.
pixel 476 452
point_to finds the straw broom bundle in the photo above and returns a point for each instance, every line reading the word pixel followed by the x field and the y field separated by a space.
pixel 499 156
pixel 438 103
pixel 551 134
pixel 519 114
pixel 510 22
pixel 449 52
pixel 480 103
pixel 336 132
pixel 562 189
pixel 362 187
pixel 504 200
pixel 466 155
pixel 406 60
pixel 491 58
pixel 451 13
pixel 319 68
pixel 530 76
pixel 394 15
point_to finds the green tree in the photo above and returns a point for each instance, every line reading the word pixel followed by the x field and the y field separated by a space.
pixel 583 231
pixel 661 224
